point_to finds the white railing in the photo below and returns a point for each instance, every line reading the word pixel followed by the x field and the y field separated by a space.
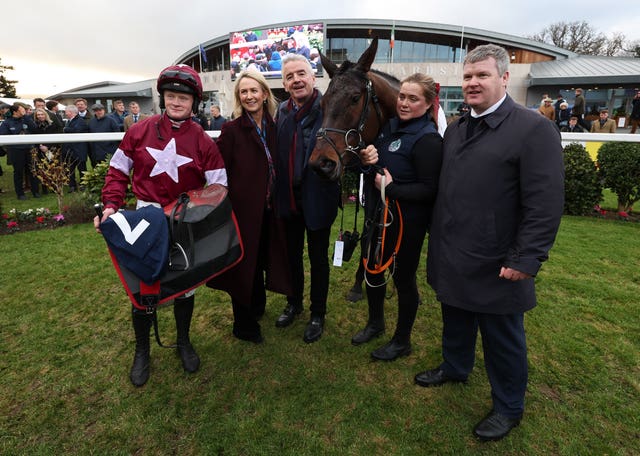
pixel 7 140
pixel 58 138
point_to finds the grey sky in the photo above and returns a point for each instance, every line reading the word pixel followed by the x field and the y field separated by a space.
pixel 57 45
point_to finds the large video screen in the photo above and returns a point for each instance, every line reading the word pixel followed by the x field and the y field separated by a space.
pixel 262 50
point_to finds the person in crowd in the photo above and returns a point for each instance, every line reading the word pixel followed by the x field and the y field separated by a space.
pixel 118 114
pixel 83 112
pixel 216 121
pixel 19 155
pixel 200 119
pixel 44 125
pixel 102 123
pixel 563 115
pixel 38 103
pixel 5 111
pixel 497 212
pixel 75 154
pixel 409 152
pixel 634 117
pixel 308 203
pixel 578 110
pixel 556 105
pixel 52 109
pixel 275 62
pixel 135 115
pixel 604 124
pixel 572 126
pixel 547 109
pixel 167 155
pixel 247 144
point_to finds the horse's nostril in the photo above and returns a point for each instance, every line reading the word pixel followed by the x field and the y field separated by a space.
pixel 328 165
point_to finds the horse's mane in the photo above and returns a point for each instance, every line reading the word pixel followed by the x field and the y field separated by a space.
pixel 349 66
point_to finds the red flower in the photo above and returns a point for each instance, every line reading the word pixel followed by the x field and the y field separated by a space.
pixel 12 224
pixel 40 219
pixel 623 214
pixel 5 216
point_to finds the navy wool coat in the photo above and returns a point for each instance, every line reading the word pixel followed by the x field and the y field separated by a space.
pixel 499 203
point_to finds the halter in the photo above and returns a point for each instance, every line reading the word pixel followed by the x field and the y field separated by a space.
pixel 354 133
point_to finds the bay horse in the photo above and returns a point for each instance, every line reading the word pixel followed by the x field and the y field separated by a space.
pixel 357 103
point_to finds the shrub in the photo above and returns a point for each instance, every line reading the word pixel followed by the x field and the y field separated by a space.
pixel 93 181
pixel 582 189
pixel 619 169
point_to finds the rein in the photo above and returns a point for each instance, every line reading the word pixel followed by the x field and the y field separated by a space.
pixel 354 133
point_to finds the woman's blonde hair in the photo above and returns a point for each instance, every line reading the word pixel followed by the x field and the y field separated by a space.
pixel 271 104
pixel 46 115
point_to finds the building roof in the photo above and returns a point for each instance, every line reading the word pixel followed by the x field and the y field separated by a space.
pixel 586 70
pixel 111 89
pixel 404 26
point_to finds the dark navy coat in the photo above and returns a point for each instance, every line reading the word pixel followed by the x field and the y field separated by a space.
pixel 499 203
pixel 319 196
pixel 100 149
pixel 79 150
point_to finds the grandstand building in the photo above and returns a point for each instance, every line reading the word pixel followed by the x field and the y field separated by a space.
pixel 404 47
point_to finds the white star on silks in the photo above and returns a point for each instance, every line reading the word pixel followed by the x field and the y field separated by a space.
pixel 167 160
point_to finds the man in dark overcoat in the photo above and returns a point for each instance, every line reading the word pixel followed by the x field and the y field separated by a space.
pixel 308 203
pixel 498 209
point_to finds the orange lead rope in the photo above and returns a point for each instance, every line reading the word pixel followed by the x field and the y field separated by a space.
pixel 378 266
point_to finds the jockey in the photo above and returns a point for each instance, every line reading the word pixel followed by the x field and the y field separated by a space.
pixel 165 155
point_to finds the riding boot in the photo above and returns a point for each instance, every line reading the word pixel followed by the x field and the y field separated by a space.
pixel 140 369
pixel 182 311
pixel 375 323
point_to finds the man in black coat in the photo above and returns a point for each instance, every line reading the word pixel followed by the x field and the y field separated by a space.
pixel 307 203
pixel 499 205
pixel 75 154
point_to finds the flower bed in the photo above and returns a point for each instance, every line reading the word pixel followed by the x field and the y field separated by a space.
pixel 31 219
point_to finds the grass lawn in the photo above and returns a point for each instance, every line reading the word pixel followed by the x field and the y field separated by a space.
pixel 66 345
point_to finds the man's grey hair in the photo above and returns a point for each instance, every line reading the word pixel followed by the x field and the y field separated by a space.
pixel 71 108
pixel 490 50
pixel 296 58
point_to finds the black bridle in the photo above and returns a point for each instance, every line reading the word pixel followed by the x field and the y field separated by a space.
pixel 353 137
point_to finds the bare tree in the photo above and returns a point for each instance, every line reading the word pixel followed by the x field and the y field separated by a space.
pixel 632 49
pixel 581 38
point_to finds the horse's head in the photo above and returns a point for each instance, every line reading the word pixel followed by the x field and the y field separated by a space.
pixel 349 115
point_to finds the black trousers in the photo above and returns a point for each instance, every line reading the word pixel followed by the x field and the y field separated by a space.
pixel 404 278
pixel 318 249
pixel 21 162
pixel 505 353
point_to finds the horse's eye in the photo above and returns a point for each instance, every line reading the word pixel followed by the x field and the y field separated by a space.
pixel 355 98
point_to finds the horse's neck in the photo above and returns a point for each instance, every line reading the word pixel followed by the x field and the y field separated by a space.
pixel 387 95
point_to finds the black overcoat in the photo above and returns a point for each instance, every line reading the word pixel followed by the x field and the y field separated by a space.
pixel 499 203
pixel 247 172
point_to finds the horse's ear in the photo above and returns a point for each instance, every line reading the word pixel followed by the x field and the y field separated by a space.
pixel 367 58
pixel 328 65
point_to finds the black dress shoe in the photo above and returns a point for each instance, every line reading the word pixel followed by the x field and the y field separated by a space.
pixel 435 377
pixel 288 315
pixel 392 350
pixel 368 333
pixel 494 426
pixel 314 328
